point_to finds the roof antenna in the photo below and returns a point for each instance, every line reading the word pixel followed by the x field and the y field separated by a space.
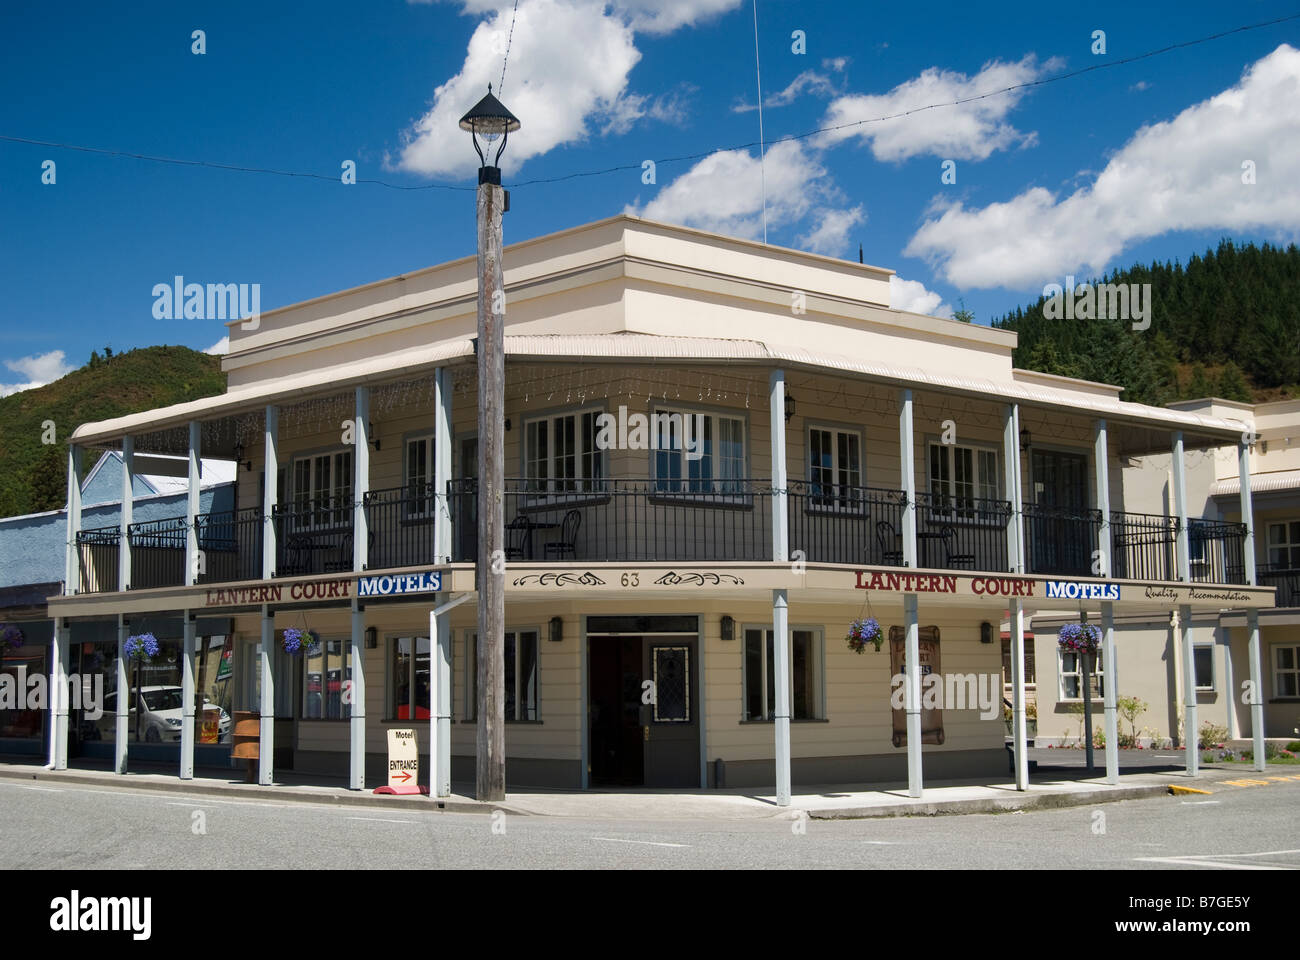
pixel 860 253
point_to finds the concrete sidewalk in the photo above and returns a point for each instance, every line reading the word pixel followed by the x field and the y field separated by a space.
pixel 830 802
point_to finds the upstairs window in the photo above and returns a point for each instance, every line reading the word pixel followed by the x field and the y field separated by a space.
pixel 560 453
pixel 959 475
pixel 714 461
pixel 322 490
pixel 835 468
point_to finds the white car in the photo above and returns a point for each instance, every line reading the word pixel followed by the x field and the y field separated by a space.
pixel 160 721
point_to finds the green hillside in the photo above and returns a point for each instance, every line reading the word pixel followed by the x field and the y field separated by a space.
pixel 32 474
pixel 1227 324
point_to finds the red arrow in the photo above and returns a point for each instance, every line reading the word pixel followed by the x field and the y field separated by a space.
pixel 404 776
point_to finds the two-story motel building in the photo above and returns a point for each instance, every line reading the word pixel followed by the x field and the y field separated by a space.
pixel 853 461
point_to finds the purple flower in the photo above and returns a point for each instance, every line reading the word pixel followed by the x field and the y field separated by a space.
pixel 12 636
pixel 143 647
pixel 1079 637
pixel 293 638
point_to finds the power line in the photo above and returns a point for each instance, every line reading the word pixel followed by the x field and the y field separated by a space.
pixel 502 85
pixel 762 157
pixel 666 160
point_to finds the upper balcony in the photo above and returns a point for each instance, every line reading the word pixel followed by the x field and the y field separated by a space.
pixel 695 521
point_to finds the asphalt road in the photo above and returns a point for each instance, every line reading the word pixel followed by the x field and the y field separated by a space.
pixel 80 827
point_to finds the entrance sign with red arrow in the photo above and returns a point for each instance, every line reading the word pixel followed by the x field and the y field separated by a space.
pixel 403 759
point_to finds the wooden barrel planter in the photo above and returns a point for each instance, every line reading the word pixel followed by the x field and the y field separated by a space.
pixel 248 741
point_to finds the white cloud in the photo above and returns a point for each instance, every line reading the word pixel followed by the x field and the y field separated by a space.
pixel 1181 174
pixel 723 192
pixel 968 131
pixel 39 369
pixel 808 82
pixel 912 296
pixel 568 71
pixel 220 348
pixel 831 235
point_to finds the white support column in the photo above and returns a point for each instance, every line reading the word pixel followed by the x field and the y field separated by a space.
pixel 780 492
pixel 271 461
pixel 357 723
pixel 59 694
pixel 1110 691
pixel 266 746
pixel 1180 509
pixel 442 443
pixel 1257 688
pixel 1191 736
pixel 187 697
pixel 1247 512
pixel 907 475
pixel 1223 643
pixel 1019 724
pixel 128 498
pixel 1101 470
pixel 361 482
pixel 912 692
pixel 72 561
pixel 122 720
pixel 781 687
pixel 192 507
pixel 1011 484
pixel 440 694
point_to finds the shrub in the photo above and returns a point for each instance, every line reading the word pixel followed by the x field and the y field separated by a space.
pixel 1294 746
pixel 1130 708
pixel 1212 735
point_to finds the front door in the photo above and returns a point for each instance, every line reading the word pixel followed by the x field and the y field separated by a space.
pixel 643 712
pixel 1062 540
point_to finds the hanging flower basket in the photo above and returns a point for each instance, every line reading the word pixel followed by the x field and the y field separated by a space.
pixel 297 641
pixel 11 637
pixel 863 632
pixel 1079 638
pixel 142 648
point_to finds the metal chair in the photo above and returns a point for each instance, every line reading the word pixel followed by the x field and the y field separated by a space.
pixel 886 537
pixel 567 544
pixel 519 538
pixel 966 560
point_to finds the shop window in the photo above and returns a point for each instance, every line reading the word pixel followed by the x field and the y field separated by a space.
pixel 326 664
pixel 410 678
pixel 759 674
pixel 521 663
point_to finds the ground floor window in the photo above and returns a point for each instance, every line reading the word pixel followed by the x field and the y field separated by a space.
pixel 1203 662
pixel 410 678
pixel 1286 671
pixel 326 664
pixel 521 650
pixel 759 681
pixel 1071 673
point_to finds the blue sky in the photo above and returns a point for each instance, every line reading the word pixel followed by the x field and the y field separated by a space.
pixel 1133 162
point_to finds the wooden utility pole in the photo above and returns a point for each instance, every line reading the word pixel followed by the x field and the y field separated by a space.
pixel 490 573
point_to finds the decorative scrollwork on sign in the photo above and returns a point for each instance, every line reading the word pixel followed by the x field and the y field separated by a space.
pixel 587 579
pixel 674 579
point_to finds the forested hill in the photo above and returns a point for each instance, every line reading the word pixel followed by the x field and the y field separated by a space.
pixel 32 472
pixel 1225 324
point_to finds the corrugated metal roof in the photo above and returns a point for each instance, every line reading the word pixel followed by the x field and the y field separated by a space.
pixel 648 347
pixel 1259 483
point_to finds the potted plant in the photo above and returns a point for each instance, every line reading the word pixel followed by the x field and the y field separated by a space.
pixel 11 637
pixel 140 649
pixel 296 641
pixel 863 632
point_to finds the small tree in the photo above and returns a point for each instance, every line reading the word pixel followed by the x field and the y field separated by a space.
pixel 1130 708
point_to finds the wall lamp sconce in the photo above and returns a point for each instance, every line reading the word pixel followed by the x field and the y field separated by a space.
pixel 371 436
pixel 728 629
pixel 986 632
pixel 507 423
pixel 1024 439
pixel 557 630
pixel 239 458
pixel 372 638
pixel 789 406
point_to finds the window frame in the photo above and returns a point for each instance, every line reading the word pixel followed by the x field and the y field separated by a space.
pixel 584 459
pixel 1198 646
pixel 392 642
pixel 425 510
pixel 818 709
pixel 711 489
pixel 1277 670
pixel 1288 544
pixel 345 674
pixel 1097 677
pixel 950 497
pixel 470 706
pixel 855 503
pixel 322 517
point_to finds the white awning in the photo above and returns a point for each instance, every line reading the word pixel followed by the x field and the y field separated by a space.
pixel 1259 483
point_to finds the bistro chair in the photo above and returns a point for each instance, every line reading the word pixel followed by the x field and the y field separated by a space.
pixel 567 544
pixel 297 556
pixel 519 536
pixel 887 538
pixel 949 537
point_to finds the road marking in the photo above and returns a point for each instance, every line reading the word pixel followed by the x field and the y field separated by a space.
pixel 881 843
pixel 1222 861
pixel 380 820
pixel 1172 756
pixel 41 789
pixel 1247 782
pixel 1176 790
pixel 1197 803
pixel 649 843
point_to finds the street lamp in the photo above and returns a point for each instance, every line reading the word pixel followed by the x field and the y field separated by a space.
pixel 488 122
